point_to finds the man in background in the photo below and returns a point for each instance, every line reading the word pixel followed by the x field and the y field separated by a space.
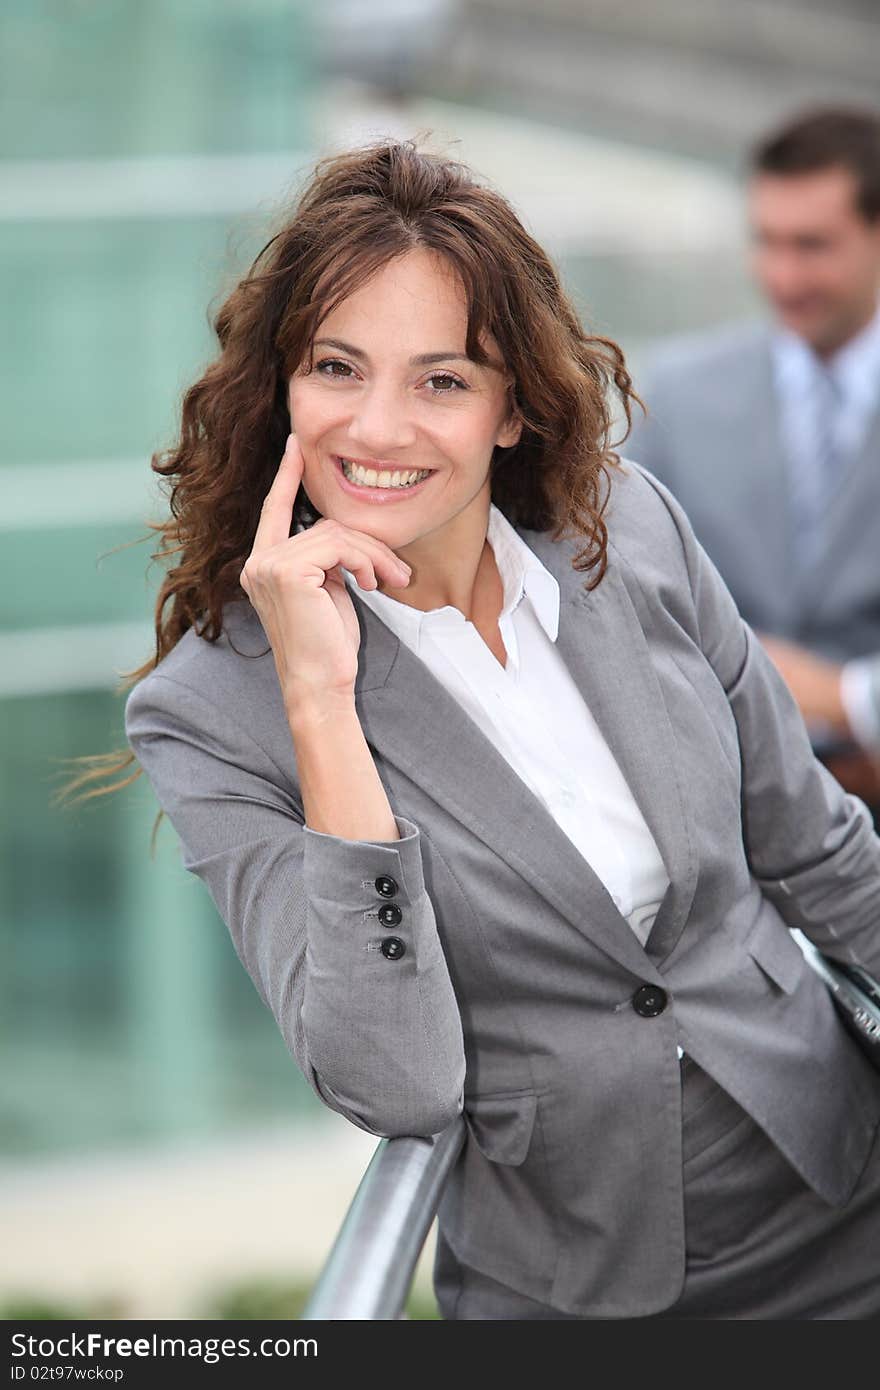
pixel 769 432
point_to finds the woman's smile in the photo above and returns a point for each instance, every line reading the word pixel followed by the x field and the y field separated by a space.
pixel 382 485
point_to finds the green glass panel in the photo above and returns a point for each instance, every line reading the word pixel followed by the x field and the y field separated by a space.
pixel 122 1000
pixel 121 996
pixel 135 77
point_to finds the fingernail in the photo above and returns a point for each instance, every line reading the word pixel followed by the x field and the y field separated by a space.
pixel 289 441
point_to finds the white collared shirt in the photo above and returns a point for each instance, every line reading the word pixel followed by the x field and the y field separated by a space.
pixel 534 714
pixel 855 369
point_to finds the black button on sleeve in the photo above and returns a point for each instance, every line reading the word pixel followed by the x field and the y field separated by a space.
pixel 386 886
pixel 393 948
pixel 649 1001
pixel 389 914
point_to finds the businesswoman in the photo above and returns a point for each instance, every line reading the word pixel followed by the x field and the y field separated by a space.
pixel 506 809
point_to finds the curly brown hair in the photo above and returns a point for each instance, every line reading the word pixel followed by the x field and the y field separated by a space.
pixel 360 210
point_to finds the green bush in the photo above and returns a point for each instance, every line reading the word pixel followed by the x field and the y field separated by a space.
pixel 285 1299
pixel 26 1307
pixel 256 1299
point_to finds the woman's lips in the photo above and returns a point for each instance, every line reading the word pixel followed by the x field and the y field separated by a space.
pixel 382 495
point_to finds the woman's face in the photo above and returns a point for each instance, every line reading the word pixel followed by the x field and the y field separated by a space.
pixel 375 399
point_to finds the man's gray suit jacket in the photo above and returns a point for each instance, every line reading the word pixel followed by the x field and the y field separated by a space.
pixel 713 436
pixel 514 995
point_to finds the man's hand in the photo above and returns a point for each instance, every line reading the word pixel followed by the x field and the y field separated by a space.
pixel 815 684
pixel 813 681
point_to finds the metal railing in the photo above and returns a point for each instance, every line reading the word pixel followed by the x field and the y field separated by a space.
pixel 369 1271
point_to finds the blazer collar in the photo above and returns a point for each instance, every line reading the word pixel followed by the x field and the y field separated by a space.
pixel 414 724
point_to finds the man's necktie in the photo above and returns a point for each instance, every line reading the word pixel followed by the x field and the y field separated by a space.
pixel 817 474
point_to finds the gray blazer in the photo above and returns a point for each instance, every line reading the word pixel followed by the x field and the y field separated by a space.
pixel 714 438
pixel 515 993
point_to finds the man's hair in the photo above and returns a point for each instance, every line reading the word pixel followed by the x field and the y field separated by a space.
pixel 823 138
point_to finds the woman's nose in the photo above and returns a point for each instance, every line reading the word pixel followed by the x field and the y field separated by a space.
pixel 381 423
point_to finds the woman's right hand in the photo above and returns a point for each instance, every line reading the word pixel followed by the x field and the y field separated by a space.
pixel 296 586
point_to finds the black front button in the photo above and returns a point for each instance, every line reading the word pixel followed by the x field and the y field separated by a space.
pixel 389 914
pixel 649 1001
pixel 393 948
pixel 386 885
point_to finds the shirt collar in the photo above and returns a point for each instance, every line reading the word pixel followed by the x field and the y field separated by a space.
pixel 522 574
pixel 857 364
pixel 854 368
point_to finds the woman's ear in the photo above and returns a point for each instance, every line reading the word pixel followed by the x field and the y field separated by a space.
pixel 512 428
pixel 510 432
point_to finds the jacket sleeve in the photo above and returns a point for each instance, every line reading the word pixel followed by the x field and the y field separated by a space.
pixel 378 1039
pixel 811 845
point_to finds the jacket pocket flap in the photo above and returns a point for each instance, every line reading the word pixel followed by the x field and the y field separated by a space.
pixel 776 951
pixel 502 1126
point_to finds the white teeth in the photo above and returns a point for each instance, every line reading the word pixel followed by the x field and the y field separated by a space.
pixel 369 477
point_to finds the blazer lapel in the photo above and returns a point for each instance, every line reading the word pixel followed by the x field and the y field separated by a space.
pixel 414 724
pixel 602 642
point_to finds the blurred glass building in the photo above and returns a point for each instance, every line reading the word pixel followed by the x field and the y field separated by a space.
pixel 141 144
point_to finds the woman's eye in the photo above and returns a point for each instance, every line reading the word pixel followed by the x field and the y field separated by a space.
pixel 448 383
pixel 441 383
pixel 333 362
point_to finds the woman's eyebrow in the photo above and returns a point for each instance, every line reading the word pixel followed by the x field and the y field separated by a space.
pixel 424 359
